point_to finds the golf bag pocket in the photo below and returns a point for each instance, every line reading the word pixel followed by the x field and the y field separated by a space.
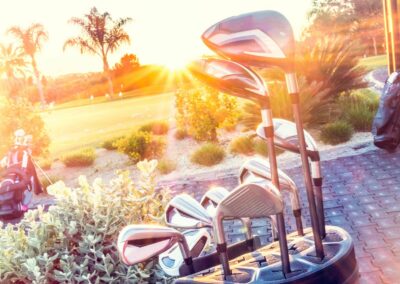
pixel 11 192
pixel 386 124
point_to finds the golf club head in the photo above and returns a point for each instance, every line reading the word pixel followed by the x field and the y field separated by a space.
pixel 198 241
pixel 285 137
pixel 258 170
pixel 229 77
pixel 185 212
pixel 212 197
pixel 262 39
pixel 138 243
pixel 265 200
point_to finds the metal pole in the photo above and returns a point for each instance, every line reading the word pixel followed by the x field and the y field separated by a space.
pixel 388 37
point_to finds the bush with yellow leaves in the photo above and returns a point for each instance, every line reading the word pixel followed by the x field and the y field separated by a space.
pixel 75 241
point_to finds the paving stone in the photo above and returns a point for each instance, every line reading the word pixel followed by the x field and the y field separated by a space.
pixel 370 278
pixel 365 264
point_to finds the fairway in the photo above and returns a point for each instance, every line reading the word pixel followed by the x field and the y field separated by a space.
pixel 73 128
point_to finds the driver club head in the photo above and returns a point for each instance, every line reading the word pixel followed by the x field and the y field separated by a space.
pixel 229 77
pixel 185 212
pixel 262 39
pixel 198 241
pixel 138 243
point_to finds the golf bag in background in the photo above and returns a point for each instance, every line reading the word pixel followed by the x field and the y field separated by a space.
pixel 20 179
pixel 386 124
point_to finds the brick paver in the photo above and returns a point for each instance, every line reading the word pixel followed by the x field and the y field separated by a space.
pixel 362 195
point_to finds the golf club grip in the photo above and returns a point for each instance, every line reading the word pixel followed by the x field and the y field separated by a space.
pixel 211 260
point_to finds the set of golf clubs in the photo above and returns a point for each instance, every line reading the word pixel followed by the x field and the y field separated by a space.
pixel 260 39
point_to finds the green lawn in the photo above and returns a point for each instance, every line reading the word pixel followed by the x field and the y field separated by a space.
pixel 374 62
pixel 75 127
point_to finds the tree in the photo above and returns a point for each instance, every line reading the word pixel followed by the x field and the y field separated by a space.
pixel 31 40
pixel 369 17
pixel 100 35
pixel 127 64
pixel 361 20
pixel 12 64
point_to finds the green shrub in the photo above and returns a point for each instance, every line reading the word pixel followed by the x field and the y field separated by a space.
pixel 361 119
pixel 20 113
pixel 359 108
pixel 208 155
pixel 180 134
pixel 156 127
pixel 202 110
pixel 165 166
pixel 314 108
pixel 336 132
pixel 110 144
pixel 81 158
pixel 76 240
pixel 242 145
pixel 260 147
pixel 140 145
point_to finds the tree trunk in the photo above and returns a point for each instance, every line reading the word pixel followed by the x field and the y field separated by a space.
pixel 38 83
pixel 374 45
pixel 107 72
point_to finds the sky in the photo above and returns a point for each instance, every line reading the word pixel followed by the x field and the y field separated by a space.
pixel 165 32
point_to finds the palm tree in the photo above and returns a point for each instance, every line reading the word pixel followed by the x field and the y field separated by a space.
pixel 31 41
pixel 100 35
pixel 12 64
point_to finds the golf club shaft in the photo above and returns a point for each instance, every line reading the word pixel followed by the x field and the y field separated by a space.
pixel 269 133
pixel 291 82
pixel 317 181
pixel 42 171
pixel 320 209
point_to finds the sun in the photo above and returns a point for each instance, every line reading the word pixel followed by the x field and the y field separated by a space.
pixel 175 64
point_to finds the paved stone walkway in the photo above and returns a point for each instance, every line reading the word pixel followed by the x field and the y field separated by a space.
pixel 362 195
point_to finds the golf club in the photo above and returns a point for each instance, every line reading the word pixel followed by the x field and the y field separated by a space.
pixel 265 39
pixel 239 81
pixel 171 260
pixel 185 212
pixel 213 197
pixel 138 243
pixel 286 138
pixel 256 169
pixel 264 200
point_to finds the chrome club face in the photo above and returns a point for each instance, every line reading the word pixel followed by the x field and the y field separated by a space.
pixel 198 241
pixel 257 169
pixel 265 201
pixel 183 211
pixel 229 77
pixel 212 197
pixel 263 38
pixel 138 243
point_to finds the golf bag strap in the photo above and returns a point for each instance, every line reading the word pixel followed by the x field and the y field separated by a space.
pixel 295 98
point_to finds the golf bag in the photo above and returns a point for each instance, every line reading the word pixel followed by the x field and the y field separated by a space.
pixel 18 182
pixel 386 124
